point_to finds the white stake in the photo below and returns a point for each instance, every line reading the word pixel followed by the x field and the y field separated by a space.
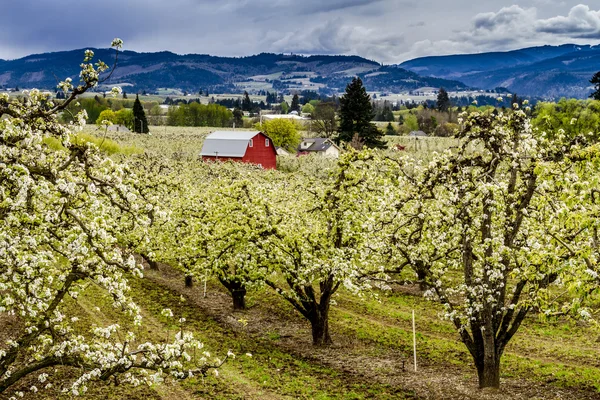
pixel 204 286
pixel 414 340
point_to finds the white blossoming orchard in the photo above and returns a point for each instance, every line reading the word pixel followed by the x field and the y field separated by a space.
pixel 64 222
pixel 486 229
pixel 324 237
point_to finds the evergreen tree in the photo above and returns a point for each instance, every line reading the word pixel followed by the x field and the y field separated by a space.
pixel 140 124
pixel 443 101
pixel 389 129
pixel 295 104
pixel 246 102
pixel 356 113
pixel 596 82
pixel 124 94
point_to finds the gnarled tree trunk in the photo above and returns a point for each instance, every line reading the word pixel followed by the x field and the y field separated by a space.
pixel 319 321
pixel 237 290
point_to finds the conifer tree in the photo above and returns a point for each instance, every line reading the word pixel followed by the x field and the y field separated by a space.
pixel 356 113
pixel 295 104
pixel 246 102
pixel 140 123
pixel 443 101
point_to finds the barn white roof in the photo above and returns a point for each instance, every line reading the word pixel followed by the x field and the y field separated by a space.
pixel 227 143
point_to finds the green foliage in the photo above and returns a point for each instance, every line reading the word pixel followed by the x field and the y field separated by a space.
pixel 356 113
pixel 308 109
pixel 125 117
pixel 324 121
pixel 283 132
pixel 410 123
pixel 92 106
pixel 106 115
pixel 196 114
pixel 285 108
pixel 573 117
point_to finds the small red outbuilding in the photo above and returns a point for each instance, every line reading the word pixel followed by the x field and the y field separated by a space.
pixel 252 147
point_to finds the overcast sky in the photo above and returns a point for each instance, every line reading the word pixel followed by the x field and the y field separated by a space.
pixel 388 31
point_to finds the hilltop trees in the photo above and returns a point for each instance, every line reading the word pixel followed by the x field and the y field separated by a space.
pixel 140 123
pixel 356 113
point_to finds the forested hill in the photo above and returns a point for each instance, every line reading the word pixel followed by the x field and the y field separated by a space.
pixel 545 71
pixel 193 72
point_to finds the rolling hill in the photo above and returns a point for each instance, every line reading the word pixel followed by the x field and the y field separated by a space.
pixel 545 71
pixel 193 72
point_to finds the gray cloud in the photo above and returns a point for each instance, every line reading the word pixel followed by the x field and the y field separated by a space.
pixel 580 22
pixel 384 30
pixel 514 27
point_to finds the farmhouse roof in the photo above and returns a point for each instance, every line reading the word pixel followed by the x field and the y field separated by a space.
pixel 315 144
pixel 227 143
pixel 417 133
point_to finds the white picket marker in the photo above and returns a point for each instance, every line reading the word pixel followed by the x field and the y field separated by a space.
pixel 414 340
pixel 204 286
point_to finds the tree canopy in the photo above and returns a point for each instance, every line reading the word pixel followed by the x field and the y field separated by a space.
pixel 283 132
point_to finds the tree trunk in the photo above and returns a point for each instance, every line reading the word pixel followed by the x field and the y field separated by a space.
pixel 421 275
pixel 152 264
pixel 320 328
pixel 239 299
pixel 237 291
pixel 188 281
pixel 489 374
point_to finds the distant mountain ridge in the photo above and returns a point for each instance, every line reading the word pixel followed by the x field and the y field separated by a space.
pixel 544 71
pixel 193 72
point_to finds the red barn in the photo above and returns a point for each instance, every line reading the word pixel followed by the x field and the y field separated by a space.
pixel 246 146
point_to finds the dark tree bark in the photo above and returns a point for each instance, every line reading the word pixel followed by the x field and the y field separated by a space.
pixel 152 264
pixel 189 281
pixel 319 321
pixel 237 290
